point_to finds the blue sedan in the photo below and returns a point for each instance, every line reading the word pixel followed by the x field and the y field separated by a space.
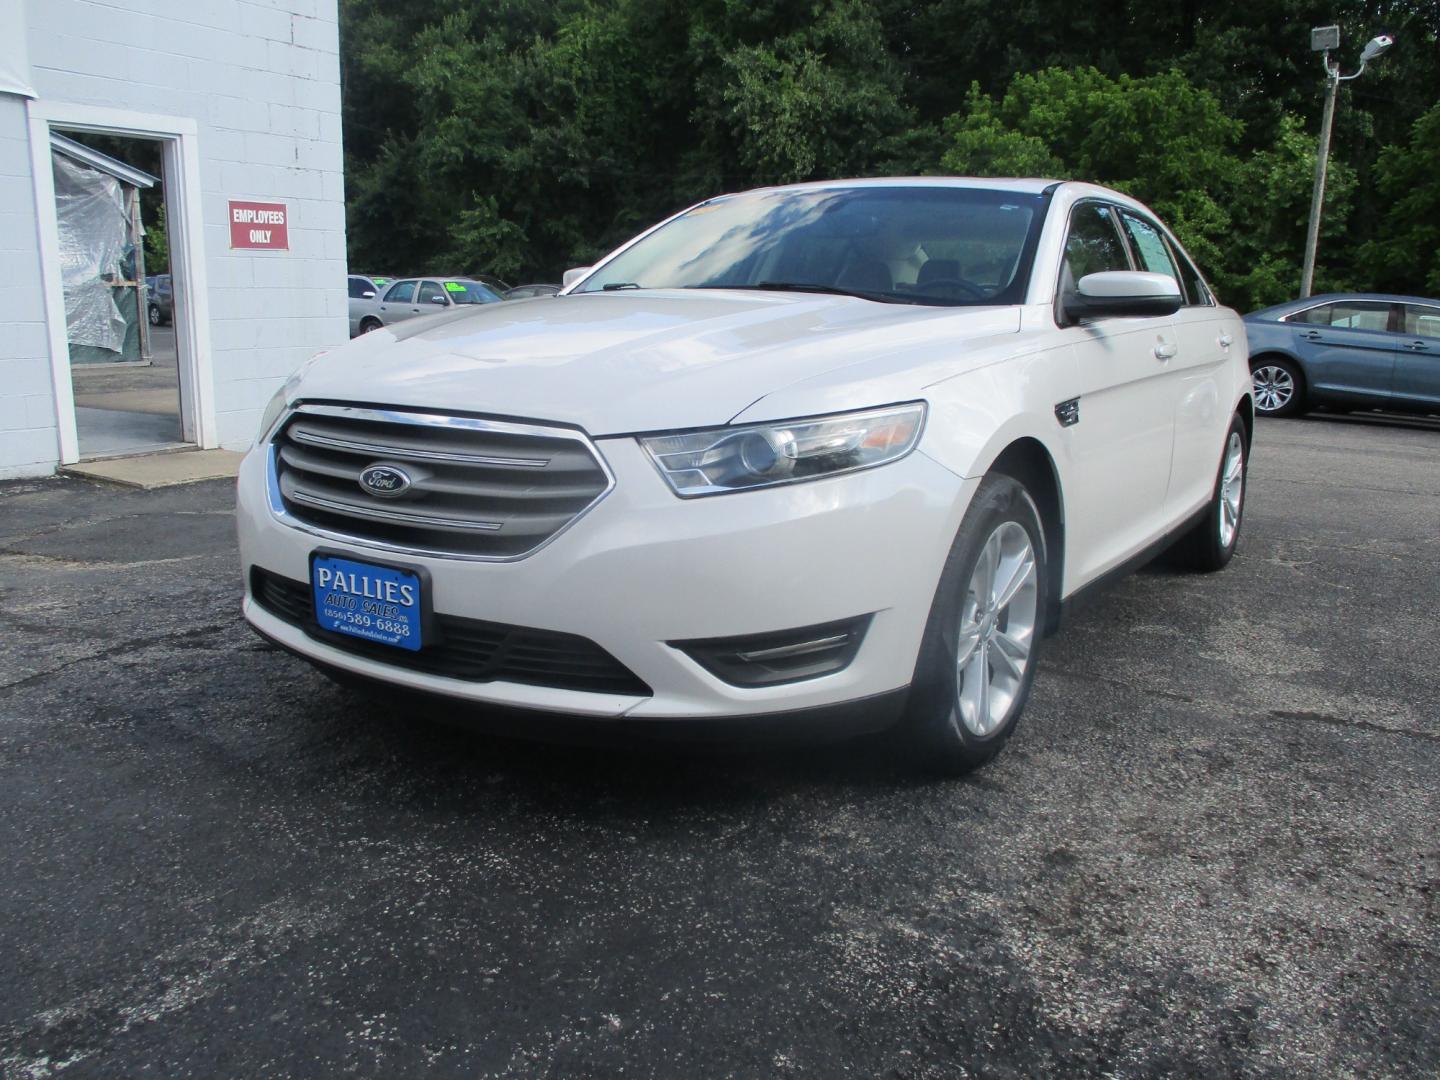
pixel 1346 350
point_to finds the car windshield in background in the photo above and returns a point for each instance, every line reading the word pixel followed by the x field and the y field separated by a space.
pixel 469 292
pixel 915 245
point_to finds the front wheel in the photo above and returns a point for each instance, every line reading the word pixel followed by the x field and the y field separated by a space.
pixel 978 656
pixel 153 313
pixel 1278 386
pixel 1210 545
pixel 370 323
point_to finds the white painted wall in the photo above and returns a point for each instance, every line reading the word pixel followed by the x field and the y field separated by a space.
pixel 261 80
pixel 27 405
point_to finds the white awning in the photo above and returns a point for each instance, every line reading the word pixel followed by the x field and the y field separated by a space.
pixel 104 162
pixel 14 53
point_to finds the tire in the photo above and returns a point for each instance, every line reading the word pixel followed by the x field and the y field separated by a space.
pixel 1210 545
pixel 153 314
pixel 969 656
pixel 1278 386
pixel 370 323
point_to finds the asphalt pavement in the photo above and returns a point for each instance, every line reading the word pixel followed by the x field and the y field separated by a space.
pixel 1211 848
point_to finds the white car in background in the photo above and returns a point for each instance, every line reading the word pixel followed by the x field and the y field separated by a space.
pixel 826 457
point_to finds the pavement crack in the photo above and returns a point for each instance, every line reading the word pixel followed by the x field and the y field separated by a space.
pixel 1340 721
pixel 1274 714
pixel 1327 483
pixel 56 562
pixel 1090 676
pixel 130 645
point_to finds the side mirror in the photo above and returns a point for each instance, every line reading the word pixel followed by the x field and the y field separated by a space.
pixel 1122 294
pixel 574 274
pixel 438 300
pixel 367 295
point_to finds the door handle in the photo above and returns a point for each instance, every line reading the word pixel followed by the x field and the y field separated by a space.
pixel 1311 335
pixel 1164 351
pixel 1417 346
pixel 1226 341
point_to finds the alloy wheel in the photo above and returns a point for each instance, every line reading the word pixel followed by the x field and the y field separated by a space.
pixel 1274 387
pixel 997 629
pixel 1232 488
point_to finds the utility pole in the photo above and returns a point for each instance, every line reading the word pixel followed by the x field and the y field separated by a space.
pixel 1322 165
pixel 1322 40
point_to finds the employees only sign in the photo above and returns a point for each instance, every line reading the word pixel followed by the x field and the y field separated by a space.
pixel 261 225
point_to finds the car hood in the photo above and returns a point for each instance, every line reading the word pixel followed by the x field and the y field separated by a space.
pixel 622 362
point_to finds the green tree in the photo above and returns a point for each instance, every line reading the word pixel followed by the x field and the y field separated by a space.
pixel 1405 256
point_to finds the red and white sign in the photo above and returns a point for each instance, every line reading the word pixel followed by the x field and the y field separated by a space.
pixel 263 225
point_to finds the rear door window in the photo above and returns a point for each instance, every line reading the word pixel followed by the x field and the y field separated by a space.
pixel 1421 320
pixel 1347 315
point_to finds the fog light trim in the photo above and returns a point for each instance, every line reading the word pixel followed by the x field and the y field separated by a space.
pixel 781 656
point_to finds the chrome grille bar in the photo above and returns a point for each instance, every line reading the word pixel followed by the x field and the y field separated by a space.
pixel 374 513
pixel 479 489
pixel 299 434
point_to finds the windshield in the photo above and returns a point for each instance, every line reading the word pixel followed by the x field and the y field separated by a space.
pixel 917 245
pixel 469 292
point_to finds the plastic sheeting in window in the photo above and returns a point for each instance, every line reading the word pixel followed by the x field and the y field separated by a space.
pixel 94 250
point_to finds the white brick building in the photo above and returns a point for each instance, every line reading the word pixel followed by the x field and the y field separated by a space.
pixel 244 98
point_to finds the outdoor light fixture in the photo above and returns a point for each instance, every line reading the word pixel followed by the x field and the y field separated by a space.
pixel 1377 46
pixel 1322 40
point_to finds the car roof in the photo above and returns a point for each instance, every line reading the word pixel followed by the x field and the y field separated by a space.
pixel 437 277
pixel 1020 185
pixel 1291 306
pixel 1024 185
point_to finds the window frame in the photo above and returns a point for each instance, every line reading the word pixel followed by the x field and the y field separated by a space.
pixel 414 284
pixel 1404 319
pixel 439 289
pixel 1058 306
pixel 1394 320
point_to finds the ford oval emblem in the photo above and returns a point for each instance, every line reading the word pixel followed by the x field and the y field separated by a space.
pixel 385 481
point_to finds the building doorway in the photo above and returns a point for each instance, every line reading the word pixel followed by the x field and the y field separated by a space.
pixel 118 292
pixel 155 390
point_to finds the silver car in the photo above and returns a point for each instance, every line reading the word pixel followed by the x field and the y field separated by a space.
pixel 365 291
pixel 411 297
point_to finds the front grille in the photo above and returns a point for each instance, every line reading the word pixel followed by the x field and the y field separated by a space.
pixel 468 649
pixel 478 488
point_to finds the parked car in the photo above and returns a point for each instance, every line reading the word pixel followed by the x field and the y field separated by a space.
pixel 1346 350
pixel 525 292
pixel 826 457
pixel 491 282
pixel 159 299
pixel 410 297
pixel 365 291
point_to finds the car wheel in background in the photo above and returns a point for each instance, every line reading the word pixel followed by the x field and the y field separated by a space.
pixel 1211 543
pixel 153 313
pixel 370 323
pixel 1279 387
pixel 978 656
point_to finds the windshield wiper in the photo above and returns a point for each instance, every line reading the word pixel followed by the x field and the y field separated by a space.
pixel 835 290
pixel 810 286
pixel 616 285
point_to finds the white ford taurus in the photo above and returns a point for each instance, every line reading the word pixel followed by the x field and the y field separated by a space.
pixel 827 456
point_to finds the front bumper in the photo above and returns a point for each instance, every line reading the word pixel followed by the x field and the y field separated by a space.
pixel 644 568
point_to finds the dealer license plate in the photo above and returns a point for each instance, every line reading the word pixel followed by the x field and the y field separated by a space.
pixel 377 603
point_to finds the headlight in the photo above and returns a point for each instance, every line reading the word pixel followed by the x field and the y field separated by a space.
pixel 760 455
pixel 283 396
pixel 272 412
